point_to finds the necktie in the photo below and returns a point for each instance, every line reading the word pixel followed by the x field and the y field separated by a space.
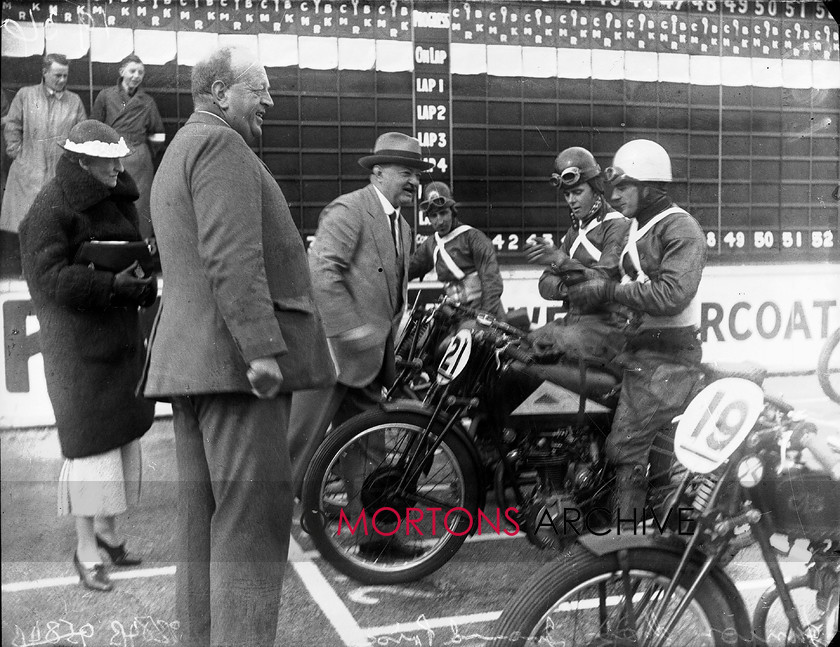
pixel 394 229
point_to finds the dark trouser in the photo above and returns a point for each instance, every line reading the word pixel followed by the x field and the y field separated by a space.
pixel 655 388
pixel 234 517
pixel 10 267
pixel 313 411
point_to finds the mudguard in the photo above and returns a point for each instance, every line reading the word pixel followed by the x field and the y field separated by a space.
pixel 415 406
pixel 602 545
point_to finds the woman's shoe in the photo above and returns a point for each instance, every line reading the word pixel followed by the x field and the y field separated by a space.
pixel 93 577
pixel 118 554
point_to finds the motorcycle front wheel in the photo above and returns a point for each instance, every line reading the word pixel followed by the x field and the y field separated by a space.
pixel 583 601
pixel 381 505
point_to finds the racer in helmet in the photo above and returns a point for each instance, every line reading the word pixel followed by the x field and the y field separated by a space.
pixel 590 249
pixel 661 265
pixel 462 256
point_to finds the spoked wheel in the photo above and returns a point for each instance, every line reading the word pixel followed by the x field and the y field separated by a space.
pixel 587 600
pixel 819 618
pixel 370 491
pixel 828 366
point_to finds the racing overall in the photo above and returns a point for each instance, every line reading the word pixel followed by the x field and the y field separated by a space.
pixel 593 246
pixel 661 266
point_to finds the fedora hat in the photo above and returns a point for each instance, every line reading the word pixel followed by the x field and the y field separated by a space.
pixel 396 148
pixel 95 139
pixel 436 196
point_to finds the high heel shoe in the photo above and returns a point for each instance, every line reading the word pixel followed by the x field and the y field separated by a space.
pixel 118 554
pixel 93 577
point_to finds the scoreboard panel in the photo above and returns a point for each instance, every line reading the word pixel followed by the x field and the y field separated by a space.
pixel 739 92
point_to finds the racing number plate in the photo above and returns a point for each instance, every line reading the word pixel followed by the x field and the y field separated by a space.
pixel 716 422
pixel 456 357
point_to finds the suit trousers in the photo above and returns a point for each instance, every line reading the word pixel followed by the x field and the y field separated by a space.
pixel 313 412
pixel 234 517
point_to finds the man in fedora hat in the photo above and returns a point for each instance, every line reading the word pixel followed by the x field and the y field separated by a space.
pixel 359 266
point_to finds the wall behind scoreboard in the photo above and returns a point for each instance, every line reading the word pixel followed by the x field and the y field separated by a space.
pixel 743 94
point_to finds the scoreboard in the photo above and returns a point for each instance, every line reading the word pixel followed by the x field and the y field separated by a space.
pixel 744 95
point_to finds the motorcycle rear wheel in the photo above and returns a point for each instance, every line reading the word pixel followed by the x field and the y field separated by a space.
pixel 828 366
pixel 580 601
pixel 358 468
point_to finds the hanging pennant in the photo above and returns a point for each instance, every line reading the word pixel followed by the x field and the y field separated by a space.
pixel 72 40
pixel 21 39
pixel 356 53
pixel 110 45
pixel 318 52
pixel 278 50
pixel 155 47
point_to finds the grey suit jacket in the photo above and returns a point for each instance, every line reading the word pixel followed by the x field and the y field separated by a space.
pixel 356 280
pixel 235 277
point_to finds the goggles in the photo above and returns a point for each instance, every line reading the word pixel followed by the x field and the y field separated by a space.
pixel 614 175
pixel 569 177
pixel 438 201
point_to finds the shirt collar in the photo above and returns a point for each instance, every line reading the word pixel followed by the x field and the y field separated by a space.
pixel 52 93
pixel 389 208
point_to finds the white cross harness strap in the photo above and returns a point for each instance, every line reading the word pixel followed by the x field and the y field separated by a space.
pixel 690 315
pixel 457 272
pixel 634 235
pixel 581 239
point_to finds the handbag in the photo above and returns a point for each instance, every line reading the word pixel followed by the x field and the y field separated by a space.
pixel 116 255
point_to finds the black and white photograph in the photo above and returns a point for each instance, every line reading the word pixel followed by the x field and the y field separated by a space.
pixel 357 323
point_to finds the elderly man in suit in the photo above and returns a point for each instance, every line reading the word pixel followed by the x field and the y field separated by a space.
pixel 237 332
pixel 359 264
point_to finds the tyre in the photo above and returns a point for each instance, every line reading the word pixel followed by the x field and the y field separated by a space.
pixel 828 366
pixel 581 601
pixel 772 628
pixel 375 473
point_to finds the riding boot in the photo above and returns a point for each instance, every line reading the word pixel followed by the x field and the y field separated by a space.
pixel 629 496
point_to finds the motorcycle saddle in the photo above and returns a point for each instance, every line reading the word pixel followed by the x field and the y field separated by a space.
pixel 744 370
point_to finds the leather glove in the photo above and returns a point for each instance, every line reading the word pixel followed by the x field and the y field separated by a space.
pixel 128 288
pixel 592 293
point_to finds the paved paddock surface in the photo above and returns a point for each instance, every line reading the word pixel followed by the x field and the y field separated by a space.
pixel 43 604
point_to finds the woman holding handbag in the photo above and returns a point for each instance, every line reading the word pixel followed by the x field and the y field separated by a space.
pixel 90 336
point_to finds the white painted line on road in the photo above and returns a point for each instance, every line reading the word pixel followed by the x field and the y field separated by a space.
pixel 326 598
pixel 431 623
pixel 52 582
pixel 423 623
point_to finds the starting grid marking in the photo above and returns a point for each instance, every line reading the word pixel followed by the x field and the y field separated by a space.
pixel 328 600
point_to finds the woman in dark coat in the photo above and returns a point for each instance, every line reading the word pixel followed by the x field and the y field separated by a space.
pixel 90 338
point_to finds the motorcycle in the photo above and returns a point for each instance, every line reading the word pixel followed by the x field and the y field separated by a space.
pixel 753 468
pixel 472 423
pixel 483 416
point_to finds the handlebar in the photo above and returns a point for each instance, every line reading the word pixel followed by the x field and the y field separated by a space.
pixel 516 353
pixel 807 436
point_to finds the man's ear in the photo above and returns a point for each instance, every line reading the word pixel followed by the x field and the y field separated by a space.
pixel 219 92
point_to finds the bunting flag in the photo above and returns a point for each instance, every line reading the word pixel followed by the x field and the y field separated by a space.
pixel 21 39
pixel 504 60
pixel 278 50
pixel 641 66
pixel 539 62
pixel 155 47
pixel 467 58
pixel 763 44
pixel 318 52
pixel 72 40
pixel 356 54
pixel 111 44
pixel 394 56
pixel 194 46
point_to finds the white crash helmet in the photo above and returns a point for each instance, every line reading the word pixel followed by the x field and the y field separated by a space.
pixel 641 160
